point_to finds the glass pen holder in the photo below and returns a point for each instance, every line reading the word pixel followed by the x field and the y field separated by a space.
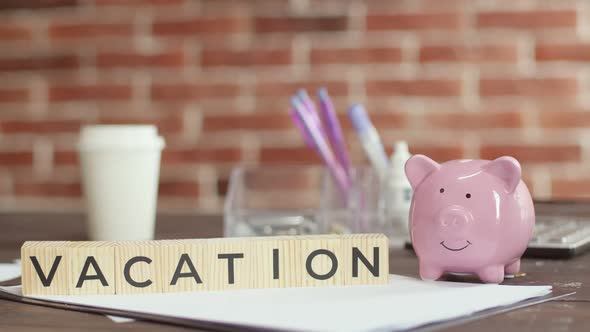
pixel 304 200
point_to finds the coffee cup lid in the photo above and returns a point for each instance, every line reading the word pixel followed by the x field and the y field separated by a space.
pixel 120 137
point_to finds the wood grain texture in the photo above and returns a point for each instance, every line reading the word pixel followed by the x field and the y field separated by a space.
pixel 84 260
pixel 145 272
pixel 140 267
pixel 50 257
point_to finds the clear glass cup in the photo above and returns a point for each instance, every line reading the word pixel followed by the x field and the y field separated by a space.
pixel 273 200
pixel 295 200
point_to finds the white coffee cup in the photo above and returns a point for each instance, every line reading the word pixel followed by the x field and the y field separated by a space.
pixel 120 167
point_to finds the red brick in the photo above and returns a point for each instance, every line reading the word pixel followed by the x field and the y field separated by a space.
pixel 356 55
pixel 179 91
pixel 11 31
pixel 200 25
pixel 39 126
pixel 178 188
pixel 112 59
pixel 284 89
pixel 570 189
pixel 16 158
pixel 538 19
pixel 382 120
pixel 561 52
pixel 65 61
pixel 291 155
pixel 528 87
pixel 192 155
pixel 139 3
pixel 468 54
pixel 283 178
pixel 439 21
pixel 36 4
pixel 65 157
pixel 300 24
pixel 48 189
pixel 438 153
pixel 89 30
pixel 247 122
pixel 564 119
pixel 435 88
pixel 13 95
pixel 533 153
pixel 113 91
pixel 165 125
pixel 474 120
pixel 257 57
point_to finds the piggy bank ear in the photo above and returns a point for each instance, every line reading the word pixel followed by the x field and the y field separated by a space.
pixel 507 169
pixel 418 167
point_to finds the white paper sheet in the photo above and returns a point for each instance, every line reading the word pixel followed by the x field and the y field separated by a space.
pixel 403 303
pixel 9 271
pixel 118 319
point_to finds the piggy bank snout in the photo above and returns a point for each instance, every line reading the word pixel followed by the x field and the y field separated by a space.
pixel 454 217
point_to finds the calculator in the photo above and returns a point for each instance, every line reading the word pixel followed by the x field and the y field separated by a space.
pixel 559 237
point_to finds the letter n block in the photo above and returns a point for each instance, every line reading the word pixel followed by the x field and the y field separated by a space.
pixel 137 267
pixel 45 268
pixel 92 268
pixel 366 259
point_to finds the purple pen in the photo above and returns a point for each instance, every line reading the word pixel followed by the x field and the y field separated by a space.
pixel 309 106
pixel 308 141
pixel 307 102
pixel 321 146
pixel 333 129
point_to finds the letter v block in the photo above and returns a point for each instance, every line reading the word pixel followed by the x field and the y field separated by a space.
pixel 45 268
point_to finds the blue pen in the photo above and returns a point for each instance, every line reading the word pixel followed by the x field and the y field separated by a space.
pixel 369 139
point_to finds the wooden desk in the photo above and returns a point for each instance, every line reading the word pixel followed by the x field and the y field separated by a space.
pixel 569 314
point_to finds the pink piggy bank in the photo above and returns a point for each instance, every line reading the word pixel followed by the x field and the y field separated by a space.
pixel 469 216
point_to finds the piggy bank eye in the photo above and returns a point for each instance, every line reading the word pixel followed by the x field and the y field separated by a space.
pixel 468 195
pixel 442 190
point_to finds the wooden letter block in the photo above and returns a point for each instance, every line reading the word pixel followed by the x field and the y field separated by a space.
pixel 45 268
pixel 184 265
pixel 92 268
pixel 365 261
pixel 231 263
pixel 322 259
pixel 276 267
pixel 136 267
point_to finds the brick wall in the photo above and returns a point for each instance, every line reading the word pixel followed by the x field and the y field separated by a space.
pixel 457 79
